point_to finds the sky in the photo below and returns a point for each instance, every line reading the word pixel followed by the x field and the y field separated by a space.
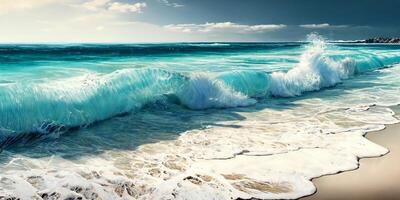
pixel 124 21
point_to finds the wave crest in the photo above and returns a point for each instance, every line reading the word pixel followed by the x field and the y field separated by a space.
pixel 314 71
pixel 74 102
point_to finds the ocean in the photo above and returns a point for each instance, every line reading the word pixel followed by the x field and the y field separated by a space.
pixel 189 120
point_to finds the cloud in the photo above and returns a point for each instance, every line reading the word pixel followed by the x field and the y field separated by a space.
pixel 94 21
pixel 8 6
pixel 100 28
pixel 224 27
pixel 73 25
pixel 96 5
pixel 123 7
pixel 70 21
pixel 171 4
pixel 322 26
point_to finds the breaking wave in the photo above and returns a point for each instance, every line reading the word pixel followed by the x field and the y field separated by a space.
pixel 58 105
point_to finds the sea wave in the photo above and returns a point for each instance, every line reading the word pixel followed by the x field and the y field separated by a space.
pixel 56 106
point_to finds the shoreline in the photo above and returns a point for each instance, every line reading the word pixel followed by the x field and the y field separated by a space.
pixel 375 177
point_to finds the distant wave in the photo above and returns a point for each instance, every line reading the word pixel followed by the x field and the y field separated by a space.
pixel 216 44
pixel 13 52
pixel 58 105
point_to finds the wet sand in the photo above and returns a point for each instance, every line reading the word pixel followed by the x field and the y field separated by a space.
pixel 376 178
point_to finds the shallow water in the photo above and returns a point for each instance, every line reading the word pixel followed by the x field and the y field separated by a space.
pixel 161 121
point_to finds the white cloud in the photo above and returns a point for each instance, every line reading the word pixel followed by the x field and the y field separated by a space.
pixel 224 27
pixel 8 6
pixel 169 3
pixel 96 5
pixel 122 7
pixel 265 27
pixel 100 28
pixel 321 26
pixel 69 21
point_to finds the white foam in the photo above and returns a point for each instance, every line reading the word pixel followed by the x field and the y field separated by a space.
pixel 313 72
pixel 273 154
pixel 202 92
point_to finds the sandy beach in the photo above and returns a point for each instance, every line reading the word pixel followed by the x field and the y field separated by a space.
pixel 376 178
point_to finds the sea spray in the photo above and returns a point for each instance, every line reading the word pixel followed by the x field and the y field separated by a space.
pixel 82 100
pixel 314 71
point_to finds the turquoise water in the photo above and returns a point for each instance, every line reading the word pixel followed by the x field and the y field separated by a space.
pixel 79 100
pixel 47 89
pixel 76 85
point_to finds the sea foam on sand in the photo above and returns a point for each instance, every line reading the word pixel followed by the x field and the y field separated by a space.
pixel 260 157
